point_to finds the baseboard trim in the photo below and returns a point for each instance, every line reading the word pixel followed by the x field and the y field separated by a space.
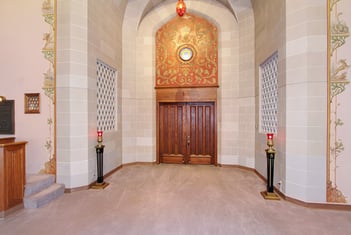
pixel 86 187
pixel 237 166
pixel 139 163
pixel 3 214
pixel 312 205
pixel 324 206
pixel 72 190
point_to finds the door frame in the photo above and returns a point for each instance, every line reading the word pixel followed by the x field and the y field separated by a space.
pixel 206 94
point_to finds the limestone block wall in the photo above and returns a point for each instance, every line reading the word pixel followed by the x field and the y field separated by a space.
pixel 297 31
pixel 270 38
pixel 71 91
pixel 105 44
pixel 306 98
pixel 87 31
pixel 236 81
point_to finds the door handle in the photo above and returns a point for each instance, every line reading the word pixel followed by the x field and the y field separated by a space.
pixel 188 140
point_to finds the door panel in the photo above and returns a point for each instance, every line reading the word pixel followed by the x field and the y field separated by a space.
pixel 171 133
pixel 187 133
pixel 202 131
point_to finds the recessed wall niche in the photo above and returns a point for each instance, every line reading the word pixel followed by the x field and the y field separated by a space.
pixel 32 103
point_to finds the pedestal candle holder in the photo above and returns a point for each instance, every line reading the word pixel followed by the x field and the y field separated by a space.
pixel 100 184
pixel 269 194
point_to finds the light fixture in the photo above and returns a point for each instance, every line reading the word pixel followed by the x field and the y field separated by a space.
pixel 180 8
pixel 100 183
pixel 269 194
pixel 270 136
pixel 99 137
pixel 270 141
pixel 2 98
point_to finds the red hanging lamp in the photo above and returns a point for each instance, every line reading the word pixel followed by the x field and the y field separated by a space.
pixel 180 8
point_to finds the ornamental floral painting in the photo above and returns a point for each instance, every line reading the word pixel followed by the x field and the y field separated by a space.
pixel 186 53
pixel 339 157
pixel 48 50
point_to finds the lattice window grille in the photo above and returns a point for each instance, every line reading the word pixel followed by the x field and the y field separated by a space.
pixel 269 94
pixel 106 97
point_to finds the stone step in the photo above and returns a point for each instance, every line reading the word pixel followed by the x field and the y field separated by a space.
pixel 37 182
pixel 43 197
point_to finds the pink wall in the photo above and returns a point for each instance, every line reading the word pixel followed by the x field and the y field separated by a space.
pixel 22 66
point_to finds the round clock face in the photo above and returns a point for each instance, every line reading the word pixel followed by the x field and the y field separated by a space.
pixel 186 53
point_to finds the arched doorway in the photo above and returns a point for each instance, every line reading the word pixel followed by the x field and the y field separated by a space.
pixel 186 91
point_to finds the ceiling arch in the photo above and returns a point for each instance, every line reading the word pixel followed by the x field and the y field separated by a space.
pixel 234 6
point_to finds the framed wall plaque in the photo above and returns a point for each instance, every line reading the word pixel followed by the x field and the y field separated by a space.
pixel 32 103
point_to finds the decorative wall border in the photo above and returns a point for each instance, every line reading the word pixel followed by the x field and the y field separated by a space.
pixel 338 32
pixel 49 86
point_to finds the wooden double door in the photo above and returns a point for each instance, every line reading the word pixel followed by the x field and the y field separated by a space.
pixel 187 132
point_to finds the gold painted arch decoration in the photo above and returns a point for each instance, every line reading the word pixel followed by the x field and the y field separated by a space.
pixel 187 53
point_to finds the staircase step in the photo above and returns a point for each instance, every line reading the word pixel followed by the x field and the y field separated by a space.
pixel 36 183
pixel 45 196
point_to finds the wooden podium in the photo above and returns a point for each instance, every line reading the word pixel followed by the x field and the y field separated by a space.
pixel 12 174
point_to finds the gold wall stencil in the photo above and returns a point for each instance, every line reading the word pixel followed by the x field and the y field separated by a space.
pixel 49 51
pixel 186 53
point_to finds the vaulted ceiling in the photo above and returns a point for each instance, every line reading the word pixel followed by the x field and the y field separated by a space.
pixel 233 5
pixel 153 3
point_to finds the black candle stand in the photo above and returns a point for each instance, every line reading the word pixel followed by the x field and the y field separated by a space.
pixel 100 184
pixel 269 194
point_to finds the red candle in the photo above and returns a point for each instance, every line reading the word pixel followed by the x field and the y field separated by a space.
pixel 99 133
pixel 270 136
pixel 99 136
